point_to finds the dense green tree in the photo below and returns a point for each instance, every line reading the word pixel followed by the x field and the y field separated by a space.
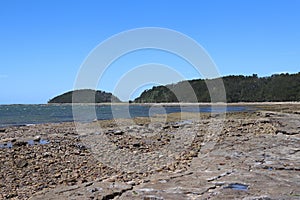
pixel 278 87
pixel 84 96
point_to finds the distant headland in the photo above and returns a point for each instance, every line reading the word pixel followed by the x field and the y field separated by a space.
pixel 276 88
pixel 85 96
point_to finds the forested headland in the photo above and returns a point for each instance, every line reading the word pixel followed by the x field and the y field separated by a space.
pixel 278 87
pixel 85 96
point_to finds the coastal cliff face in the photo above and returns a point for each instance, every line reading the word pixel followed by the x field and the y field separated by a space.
pixel 85 96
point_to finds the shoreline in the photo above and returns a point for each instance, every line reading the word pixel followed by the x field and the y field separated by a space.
pixel 58 161
pixel 170 104
pixel 290 107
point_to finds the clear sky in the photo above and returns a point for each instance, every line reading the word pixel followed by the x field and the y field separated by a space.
pixel 44 43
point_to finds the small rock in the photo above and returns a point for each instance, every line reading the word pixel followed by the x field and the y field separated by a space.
pixel 136 145
pixel 88 184
pixel 46 154
pixel 193 154
pixel 118 132
pixel 94 190
pixel 166 127
pixel 52 162
pixel 131 183
pixel 21 163
pixel 8 140
pixel 57 175
pixel 152 197
pixel 37 138
pixel 162 181
pixel 11 195
pixel 72 180
pixel 77 152
pixel 76 175
pixel 80 146
pixel 175 126
pixel 20 143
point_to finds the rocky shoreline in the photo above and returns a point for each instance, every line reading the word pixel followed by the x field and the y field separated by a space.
pixel 244 155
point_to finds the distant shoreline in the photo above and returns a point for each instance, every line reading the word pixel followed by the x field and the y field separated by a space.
pixel 171 104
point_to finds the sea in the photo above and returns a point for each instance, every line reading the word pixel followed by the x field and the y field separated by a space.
pixel 20 115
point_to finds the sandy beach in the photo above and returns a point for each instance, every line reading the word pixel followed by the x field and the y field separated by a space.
pixel 243 155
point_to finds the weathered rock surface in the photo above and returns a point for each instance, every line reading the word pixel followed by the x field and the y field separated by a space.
pixel 90 190
pixel 253 156
pixel 261 166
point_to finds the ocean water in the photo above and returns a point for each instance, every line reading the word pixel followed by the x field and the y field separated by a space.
pixel 16 115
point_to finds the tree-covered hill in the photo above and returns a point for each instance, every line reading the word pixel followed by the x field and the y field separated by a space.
pixel 278 87
pixel 85 96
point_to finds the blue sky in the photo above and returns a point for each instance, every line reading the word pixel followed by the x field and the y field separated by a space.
pixel 44 43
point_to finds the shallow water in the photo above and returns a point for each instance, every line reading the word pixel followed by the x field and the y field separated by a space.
pixel 41 141
pixel 6 145
pixel 29 142
pixel 16 115
pixel 237 186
